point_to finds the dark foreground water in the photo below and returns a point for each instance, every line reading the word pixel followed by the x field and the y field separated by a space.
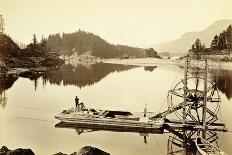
pixel 28 107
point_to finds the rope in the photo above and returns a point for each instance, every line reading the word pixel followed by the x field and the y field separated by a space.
pixel 32 108
pixel 161 150
pixel 29 118
pixel 165 99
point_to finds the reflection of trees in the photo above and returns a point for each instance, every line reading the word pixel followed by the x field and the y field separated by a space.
pixel 149 68
pixel 6 82
pixel 3 99
pixel 223 79
pixel 81 75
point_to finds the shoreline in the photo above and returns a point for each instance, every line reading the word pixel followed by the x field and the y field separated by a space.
pixel 212 64
pixel 141 62
pixel 4 150
pixel 164 62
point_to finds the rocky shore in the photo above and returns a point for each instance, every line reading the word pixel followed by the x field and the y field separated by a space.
pixel 81 59
pixel 140 61
pixel 223 61
pixel 28 62
pixel 87 150
pixel 5 151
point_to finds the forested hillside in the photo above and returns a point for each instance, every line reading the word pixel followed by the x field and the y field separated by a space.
pixel 88 43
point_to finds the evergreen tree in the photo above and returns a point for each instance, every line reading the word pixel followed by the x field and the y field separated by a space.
pixel 43 44
pixel 222 42
pixel 2 24
pixel 229 37
pixel 150 52
pixel 34 40
pixel 214 43
pixel 198 45
pixel 88 43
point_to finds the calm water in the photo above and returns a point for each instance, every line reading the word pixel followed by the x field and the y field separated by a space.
pixel 27 117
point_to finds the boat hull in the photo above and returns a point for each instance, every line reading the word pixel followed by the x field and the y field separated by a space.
pixel 97 121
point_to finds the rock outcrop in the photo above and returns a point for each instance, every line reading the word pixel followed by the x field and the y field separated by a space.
pixel 11 56
pixel 89 150
pixel 5 151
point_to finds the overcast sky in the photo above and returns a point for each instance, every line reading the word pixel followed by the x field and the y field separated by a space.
pixel 132 22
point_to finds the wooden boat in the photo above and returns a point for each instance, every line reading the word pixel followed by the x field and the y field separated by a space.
pixel 108 118
pixel 206 148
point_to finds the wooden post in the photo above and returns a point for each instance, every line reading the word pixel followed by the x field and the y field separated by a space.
pixel 185 89
pixel 205 94
pixel 184 142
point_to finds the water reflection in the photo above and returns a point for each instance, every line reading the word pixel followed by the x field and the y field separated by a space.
pixel 183 141
pixel 81 128
pixel 36 111
pixel 85 127
pixel 6 82
pixel 180 141
pixel 78 75
pixel 82 75
pixel 223 79
pixel 149 68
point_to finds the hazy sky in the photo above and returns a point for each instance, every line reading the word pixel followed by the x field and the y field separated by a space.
pixel 132 22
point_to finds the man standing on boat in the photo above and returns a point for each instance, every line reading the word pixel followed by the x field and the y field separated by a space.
pixel 76 101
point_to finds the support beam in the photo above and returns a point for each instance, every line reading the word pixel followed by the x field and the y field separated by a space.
pixel 205 94
pixel 185 89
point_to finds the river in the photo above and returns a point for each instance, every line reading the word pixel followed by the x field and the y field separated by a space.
pixel 28 107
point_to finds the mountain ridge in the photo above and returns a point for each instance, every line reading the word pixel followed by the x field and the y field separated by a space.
pixel 182 44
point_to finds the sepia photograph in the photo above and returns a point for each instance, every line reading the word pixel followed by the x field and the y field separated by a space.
pixel 115 77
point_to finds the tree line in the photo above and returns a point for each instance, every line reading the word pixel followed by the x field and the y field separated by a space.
pixel 223 40
pixel 220 42
pixel 82 42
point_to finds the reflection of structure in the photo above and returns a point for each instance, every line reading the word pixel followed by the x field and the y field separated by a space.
pixel 182 142
pixel 85 128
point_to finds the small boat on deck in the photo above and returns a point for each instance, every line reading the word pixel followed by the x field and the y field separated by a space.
pixel 108 118
pixel 206 148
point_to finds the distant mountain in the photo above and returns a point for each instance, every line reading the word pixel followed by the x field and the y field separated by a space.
pixel 184 43
pixel 82 42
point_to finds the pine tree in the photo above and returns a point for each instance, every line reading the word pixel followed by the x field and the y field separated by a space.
pixel 34 40
pixel 214 43
pixel 229 37
pixel 43 44
pixel 222 44
pixel 2 24
pixel 198 45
